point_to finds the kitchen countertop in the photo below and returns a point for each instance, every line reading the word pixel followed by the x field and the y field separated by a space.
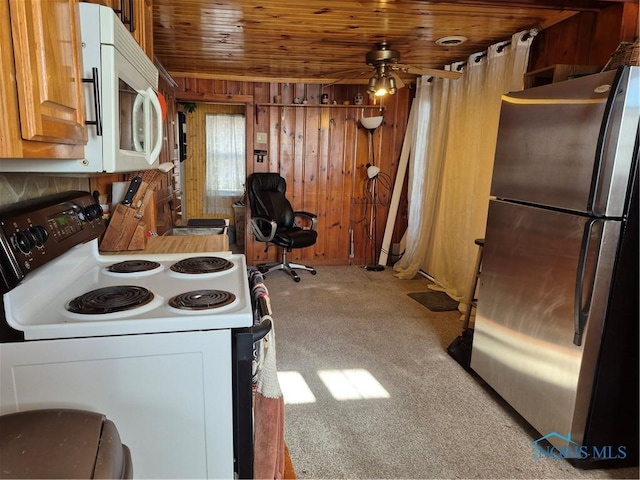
pixel 183 244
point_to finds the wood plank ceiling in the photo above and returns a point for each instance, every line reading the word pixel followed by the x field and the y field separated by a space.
pixel 322 41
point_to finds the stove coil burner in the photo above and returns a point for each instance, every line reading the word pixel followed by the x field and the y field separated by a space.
pixel 202 265
pixel 133 266
pixel 110 300
pixel 202 300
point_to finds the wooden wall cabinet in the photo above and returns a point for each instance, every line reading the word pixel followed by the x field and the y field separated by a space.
pixel 143 33
pixel 137 15
pixel 41 80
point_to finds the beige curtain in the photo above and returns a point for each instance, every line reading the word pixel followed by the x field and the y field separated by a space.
pixel 460 161
pixel 427 127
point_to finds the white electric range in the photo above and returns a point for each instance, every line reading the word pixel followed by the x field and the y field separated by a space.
pixel 146 340
pixel 84 294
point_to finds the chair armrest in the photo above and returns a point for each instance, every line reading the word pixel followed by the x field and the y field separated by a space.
pixel 309 216
pixel 263 228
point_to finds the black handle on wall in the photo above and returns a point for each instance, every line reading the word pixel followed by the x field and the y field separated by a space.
pixel 97 106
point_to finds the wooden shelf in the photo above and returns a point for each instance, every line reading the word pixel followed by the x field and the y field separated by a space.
pixel 557 73
pixel 308 105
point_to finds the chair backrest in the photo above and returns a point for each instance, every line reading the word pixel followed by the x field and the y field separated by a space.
pixel 267 198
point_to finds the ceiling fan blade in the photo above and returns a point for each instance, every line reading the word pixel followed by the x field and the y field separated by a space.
pixel 347 73
pixel 434 72
pixel 343 78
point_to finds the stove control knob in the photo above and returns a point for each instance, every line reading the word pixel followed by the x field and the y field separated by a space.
pixel 21 241
pixel 40 234
pixel 25 240
pixel 91 212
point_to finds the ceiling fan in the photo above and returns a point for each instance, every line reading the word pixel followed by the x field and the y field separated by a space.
pixel 386 62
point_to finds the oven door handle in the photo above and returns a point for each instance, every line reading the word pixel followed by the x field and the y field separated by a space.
pixel 260 331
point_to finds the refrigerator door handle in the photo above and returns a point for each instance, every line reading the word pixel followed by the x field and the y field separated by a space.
pixel 597 204
pixel 582 299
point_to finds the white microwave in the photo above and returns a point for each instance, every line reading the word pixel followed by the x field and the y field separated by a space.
pixel 122 110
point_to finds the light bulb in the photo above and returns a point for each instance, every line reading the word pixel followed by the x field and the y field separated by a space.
pixel 383 86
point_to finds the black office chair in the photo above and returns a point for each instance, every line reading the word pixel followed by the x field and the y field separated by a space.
pixel 273 220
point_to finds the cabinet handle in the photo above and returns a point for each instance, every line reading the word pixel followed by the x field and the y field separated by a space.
pixel 123 15
pixel 121 11
pixel 132 24
pixel 96 101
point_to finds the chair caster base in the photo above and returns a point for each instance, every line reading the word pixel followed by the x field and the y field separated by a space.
pixel 290 268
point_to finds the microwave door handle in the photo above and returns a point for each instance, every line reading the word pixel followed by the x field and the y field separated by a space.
pixel 155 152
pixel 137 105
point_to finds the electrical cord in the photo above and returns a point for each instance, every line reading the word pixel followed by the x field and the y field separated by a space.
pixel 372 201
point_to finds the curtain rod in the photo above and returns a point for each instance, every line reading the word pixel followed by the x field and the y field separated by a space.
pixel 531 33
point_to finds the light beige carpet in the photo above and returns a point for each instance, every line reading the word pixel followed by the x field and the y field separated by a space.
pixel 437 421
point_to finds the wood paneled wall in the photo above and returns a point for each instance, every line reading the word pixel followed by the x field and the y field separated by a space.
pixel 322 152
pixel 589 38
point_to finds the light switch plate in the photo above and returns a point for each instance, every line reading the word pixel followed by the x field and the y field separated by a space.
pixel 261 137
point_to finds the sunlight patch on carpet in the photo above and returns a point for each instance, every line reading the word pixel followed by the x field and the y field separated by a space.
pixel 294 388
pixel 352 384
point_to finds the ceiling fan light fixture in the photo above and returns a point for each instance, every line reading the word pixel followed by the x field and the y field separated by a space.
pixel 372 84
pixel 451 40
pixel 392 85
pixel 383 86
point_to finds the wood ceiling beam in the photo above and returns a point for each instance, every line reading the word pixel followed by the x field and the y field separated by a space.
pixel 577 5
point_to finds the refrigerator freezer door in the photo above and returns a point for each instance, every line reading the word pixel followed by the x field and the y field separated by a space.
pixel 569 145
pixel 523 344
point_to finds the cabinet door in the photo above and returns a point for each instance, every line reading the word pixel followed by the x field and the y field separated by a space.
pixel 137 16
pixel 46 42
pixel 143 32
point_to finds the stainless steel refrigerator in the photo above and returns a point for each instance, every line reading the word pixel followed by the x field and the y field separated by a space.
pixel 556 331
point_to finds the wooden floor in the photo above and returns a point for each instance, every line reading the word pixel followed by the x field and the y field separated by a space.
pixel 289 471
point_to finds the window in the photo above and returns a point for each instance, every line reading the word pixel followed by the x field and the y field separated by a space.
pixel 225 170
